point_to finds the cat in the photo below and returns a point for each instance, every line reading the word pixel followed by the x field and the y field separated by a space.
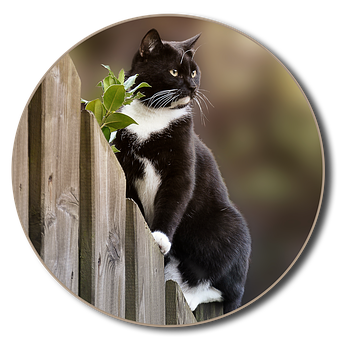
pixel 174 179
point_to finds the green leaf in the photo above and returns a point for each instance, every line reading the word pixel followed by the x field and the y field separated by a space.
pixel 101 84
pixel 111 74
pixel 112 129
pixel 118 121
pixel 97 108
pixel 107 82
pixel 130 81
pixel 114 97
pixel 106 131
pixel 129 99
pixel 143 84
pixel 139 95
pixel 114 149
pixel 121 76
pixel 109 69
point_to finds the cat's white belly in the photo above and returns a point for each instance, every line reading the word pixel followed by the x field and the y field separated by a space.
pixel 147 188
pixel 202 293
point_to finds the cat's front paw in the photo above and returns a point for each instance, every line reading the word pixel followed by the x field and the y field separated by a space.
pixel 163 241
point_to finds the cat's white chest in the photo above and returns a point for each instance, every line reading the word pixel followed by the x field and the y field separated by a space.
pixel 151 120
pixel 147 188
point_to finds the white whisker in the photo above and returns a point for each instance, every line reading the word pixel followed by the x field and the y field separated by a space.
pixel 205 97
pixel 184 55
pixel 201 111
pixel 161 98
pixel 195 50
pixel 158 97
pixel 164 100
pixel 201 97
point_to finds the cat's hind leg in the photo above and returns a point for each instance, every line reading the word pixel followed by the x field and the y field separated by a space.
pixel 202 293
pixel 195 294
pixel 232 292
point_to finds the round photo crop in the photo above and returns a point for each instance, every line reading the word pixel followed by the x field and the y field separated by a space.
pixel 168 170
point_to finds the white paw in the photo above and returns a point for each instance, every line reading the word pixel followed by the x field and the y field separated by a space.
pixel 163 241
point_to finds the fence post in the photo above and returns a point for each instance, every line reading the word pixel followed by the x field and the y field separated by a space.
pixel 53 139
pixel 178 311
pixel 102 221
pixel 20 170
pixel 69 191
pixel 145 287
pixel 207 311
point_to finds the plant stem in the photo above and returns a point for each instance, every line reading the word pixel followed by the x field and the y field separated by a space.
pixel 104 118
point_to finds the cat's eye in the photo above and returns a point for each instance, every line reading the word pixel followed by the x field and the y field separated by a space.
pixel 193 74
pixel 174 73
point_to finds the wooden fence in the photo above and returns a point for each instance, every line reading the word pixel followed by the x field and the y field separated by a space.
pixel 69 191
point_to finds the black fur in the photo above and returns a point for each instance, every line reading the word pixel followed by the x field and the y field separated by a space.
pixel 209 236
pixel 154 60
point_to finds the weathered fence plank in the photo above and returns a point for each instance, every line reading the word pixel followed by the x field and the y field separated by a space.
pixel 20 170
pixel 178 311
pixel 54 120
pixel 145 287
pixel 69 191
pixel 207 311
pixel 102 221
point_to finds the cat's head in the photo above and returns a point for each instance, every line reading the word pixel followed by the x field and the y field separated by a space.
pixel 170 70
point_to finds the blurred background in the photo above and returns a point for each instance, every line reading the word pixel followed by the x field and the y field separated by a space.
pixel 260 128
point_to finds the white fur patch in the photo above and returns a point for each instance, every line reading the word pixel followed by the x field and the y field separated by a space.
pixel 163 241
pixel 182 101
pixel 171 271
pixel 152 120
pixel 202 293
pixel 147 188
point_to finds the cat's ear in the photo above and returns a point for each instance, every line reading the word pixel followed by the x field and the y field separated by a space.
pixel 189 43
pixel 150 42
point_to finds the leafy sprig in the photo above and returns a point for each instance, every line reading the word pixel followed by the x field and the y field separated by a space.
pixel 117 93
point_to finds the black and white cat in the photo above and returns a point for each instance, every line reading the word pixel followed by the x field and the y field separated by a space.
pixel 175 181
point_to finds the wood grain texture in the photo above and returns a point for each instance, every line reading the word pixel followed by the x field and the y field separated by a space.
pixel 207 311
pixel 60 121
pixel 20 175
pixel 102 222
pixel 178 311
pixel 145 287
pixel 69 191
